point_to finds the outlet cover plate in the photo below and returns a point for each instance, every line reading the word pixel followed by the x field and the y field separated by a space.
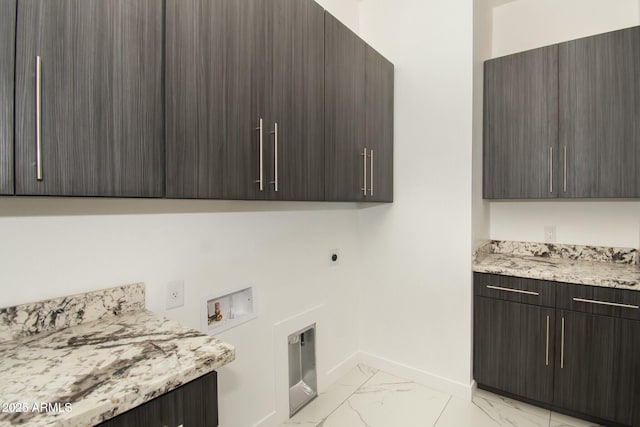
pixel 550 233
pixel 175 294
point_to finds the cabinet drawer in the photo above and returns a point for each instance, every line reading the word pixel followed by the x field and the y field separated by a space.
pixel 516 289
pixel 599 300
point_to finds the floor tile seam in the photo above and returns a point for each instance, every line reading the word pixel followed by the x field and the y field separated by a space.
pixel 510 403
pixel 357 412
pixel 345 400
pixel 487 413
pixel 442 411
pixel 364 383
pixel 513 408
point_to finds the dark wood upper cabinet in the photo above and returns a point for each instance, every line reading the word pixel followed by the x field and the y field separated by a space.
pixel 102 131
pixel 521 125
pixel 230 67
pixel 345 65
pixel 597 371
pixel 215 81
pixel 7 56
pixel 600 115
pixel 213 99
pixel 296 96
pixel 358 118
pixel 564 120
pixel 379 73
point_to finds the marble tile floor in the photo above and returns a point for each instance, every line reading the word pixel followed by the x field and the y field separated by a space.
pixel 366 397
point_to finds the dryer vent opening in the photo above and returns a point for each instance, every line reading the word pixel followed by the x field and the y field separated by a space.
pixel 303 382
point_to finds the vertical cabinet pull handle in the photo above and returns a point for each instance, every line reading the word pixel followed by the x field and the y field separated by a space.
pixel 371 172
pixel 39 118
pixel 562 346
pixel 364 168
pixel 261 167
pixel 550 169
pixel 547 349
pixel 275 156
pixel 564 173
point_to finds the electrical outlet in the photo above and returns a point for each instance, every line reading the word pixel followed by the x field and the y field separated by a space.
pixel 550 233
pixel 334 257
pixel 175 294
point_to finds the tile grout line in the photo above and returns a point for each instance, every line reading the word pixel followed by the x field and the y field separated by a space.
pixel 483 410
pixel 346 399
pixel 442 412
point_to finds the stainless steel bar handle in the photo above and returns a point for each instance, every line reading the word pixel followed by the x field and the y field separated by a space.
pixel 275 156
pixel 564 173
pixel 547 350
pixel 364 168
pixel 371 172
pixel 39 176
pixel 550 169
pixel 517 291
pixel 562 347
pixel 260 180
pixel 612 304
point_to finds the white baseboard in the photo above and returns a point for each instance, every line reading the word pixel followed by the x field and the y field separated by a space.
pixel 419 376
pixel 340 370
pixel 269 421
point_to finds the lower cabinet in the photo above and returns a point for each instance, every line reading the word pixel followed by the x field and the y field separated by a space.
pixel 513 348
pixel 583 361
pixel 194 404
pixel 597 366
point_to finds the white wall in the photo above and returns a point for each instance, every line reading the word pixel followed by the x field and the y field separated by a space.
pixel 526 24
pixel 600 223
pixel 482 44
pixel 345 10
pixel 212 246
pixel 416 300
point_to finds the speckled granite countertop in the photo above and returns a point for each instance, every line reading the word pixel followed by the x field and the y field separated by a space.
pixel 85 372
pixel 585 265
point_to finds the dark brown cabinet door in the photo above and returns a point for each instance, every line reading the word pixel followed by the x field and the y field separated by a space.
pixel 7 47
pixel 600 115
pixel 521 125
pixel 345 162
pixel 513 349
pixel 102 130
pixel 230 67
pixel 296 102
pixel 597 366
pixel 215 89
pixel 193 404
pixel 379 125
